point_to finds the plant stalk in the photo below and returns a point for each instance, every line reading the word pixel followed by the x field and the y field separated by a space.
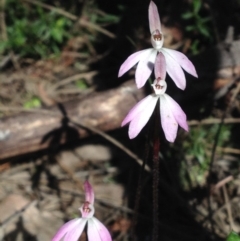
pixel 156 149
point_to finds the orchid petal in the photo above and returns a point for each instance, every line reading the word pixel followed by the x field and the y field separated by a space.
pixel 177 111
pixel 89 194
pixel 141 118
pixel 169 124
pixel 160 67
pixel 102 230
pixel 154 19
pixel 145 67
pixel 175 71
pixel 182 59
pixel 138 108
pixel 75 233
pixel 131 61
pixel 65 228
pixel 92 231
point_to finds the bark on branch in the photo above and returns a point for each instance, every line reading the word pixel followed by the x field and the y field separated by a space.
pixel 29 132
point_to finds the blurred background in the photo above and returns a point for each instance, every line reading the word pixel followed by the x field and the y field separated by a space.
pixel 62 104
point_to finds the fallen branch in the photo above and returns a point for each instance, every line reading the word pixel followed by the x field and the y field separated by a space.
pixel 32 131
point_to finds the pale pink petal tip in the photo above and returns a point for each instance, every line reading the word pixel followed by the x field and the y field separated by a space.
pixel 182 60
pixel 174 70
pixel 89 194
pixel 139 107
pixel 141 118
pixel 154 19
pixel 145 67
pixel 65 229
pixel 102 230
pixel 139 115
pixel 130 62
pixel 76 231
pixel 168 122
pixel 172 115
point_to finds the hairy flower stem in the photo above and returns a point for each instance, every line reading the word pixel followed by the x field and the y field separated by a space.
pixel 139 187
pixel 156 149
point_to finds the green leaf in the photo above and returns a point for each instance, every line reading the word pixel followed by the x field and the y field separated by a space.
pixel 204 20
pixel 233 237
pixel 195 47
pixel 196 6
pixel 81 84
pixel 60 23
pixel 57 35
pixel 3 46
pixel 187 15
pixel 190 28
pixel 204 31
pixel 108 18
pixel 33 103
pixel 55 49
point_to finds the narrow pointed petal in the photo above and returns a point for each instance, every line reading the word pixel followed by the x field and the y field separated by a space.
pixel 154 19
pixel 177 111
pixel 76 232
pixel 160 67
pixel 138 108
pixel 102 230
pixel 182 59
pixel 175 71
pixel 131 61
pixel 92 231
pixel 65 229
pixel 145 67
pixel 89 194
pixel 142 118
pixel 169 124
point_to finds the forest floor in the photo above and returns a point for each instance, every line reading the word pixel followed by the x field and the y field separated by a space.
pixel 199 186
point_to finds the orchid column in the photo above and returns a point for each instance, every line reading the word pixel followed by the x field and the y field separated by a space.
pixel 163 61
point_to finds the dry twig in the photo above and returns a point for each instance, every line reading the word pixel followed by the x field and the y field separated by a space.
pixel 222 183
pixel 115 142
pixel 228 207
pixel 17 214
pixel 211 121
pixel 70 79
pixel 82 21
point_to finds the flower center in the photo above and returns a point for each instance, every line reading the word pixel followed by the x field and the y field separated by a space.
pixel 157 36
pixel 159 85
pixel 86 207
pixel 157 39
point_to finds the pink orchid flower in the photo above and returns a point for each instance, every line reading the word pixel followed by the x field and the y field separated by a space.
pixel 171 114
pixel 72 230
pixel 175 60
